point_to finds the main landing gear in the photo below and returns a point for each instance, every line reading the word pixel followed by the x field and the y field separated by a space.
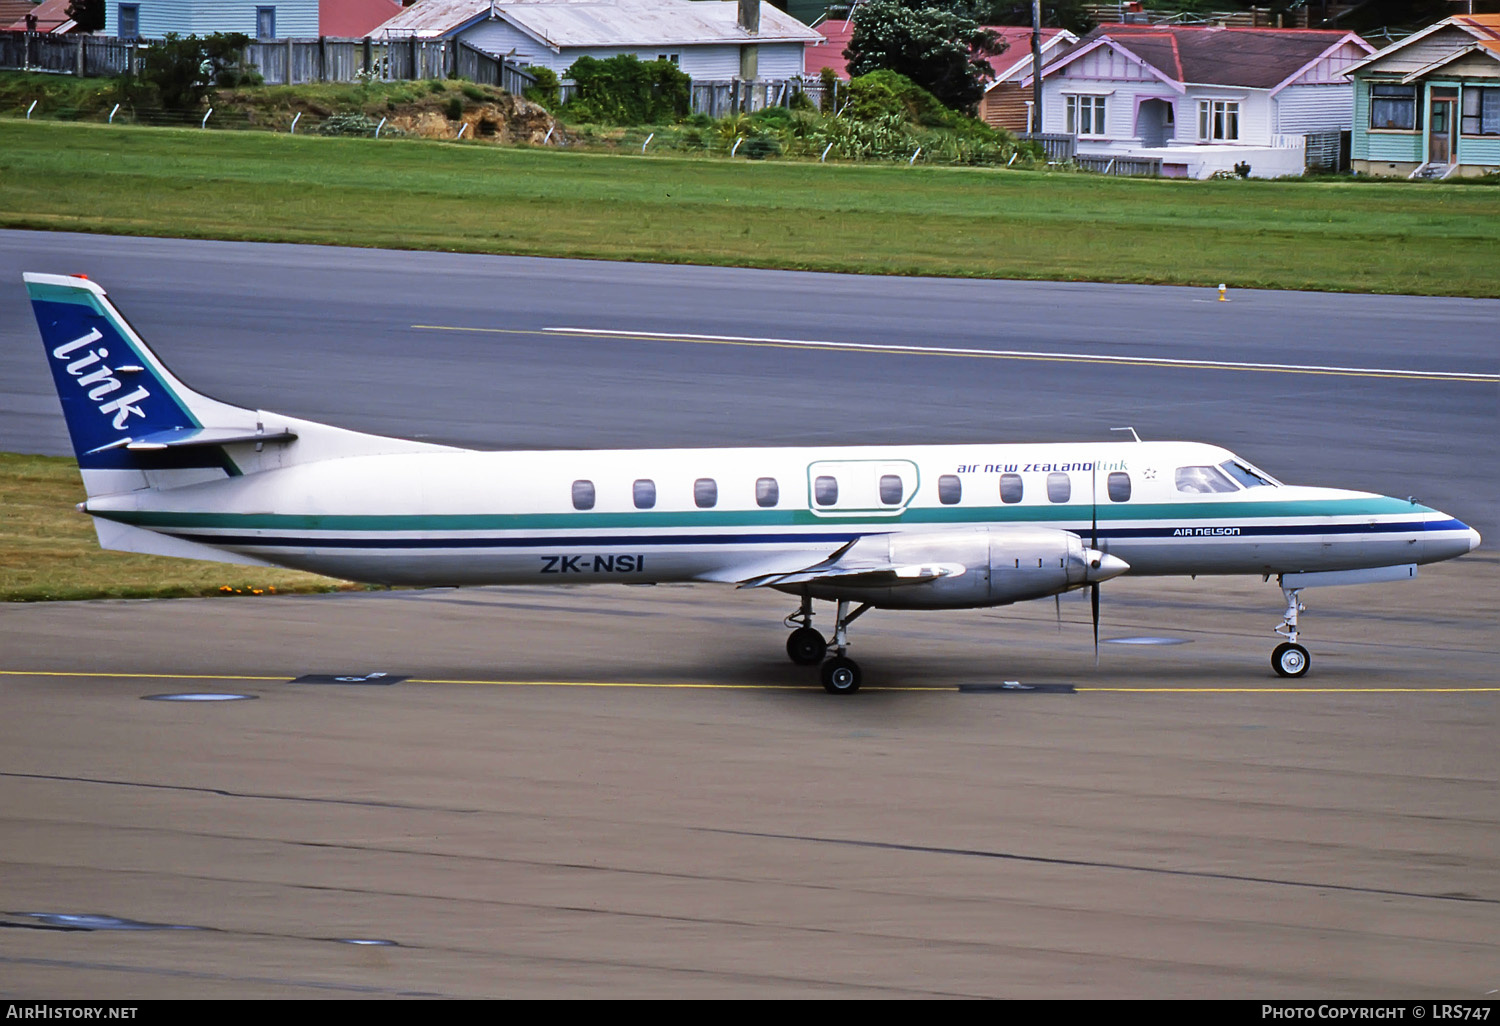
pixel 1290 659
pixel 807 647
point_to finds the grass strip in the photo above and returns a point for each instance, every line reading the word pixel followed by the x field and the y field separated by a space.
pixel 1345 235
pixel 48 550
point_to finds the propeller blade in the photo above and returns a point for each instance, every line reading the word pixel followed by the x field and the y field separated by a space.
pixel 1094 506
pixel 1057 602
pixel 1094 602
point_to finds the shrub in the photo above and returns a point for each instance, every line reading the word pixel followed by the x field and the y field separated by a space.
pixel 546 91
pixel 454 109
pixel 348 123
pixel 626 91
pixel 760 147
pixel 182 69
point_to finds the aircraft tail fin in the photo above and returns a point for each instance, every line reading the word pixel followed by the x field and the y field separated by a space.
pixel 135 425
pixel 118 398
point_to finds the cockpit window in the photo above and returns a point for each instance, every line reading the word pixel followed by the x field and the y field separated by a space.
pixel 1203 480
pixel 1246 475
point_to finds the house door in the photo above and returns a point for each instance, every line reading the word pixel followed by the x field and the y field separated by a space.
pixel 1440 130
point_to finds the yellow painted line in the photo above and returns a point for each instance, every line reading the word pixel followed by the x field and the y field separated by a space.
pixel 875 348
pixel 1268 690
pixel 643 684
pixel 1295 690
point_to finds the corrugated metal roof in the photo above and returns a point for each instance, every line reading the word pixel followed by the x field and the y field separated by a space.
pixel 51 16
pixel 354 18
pixel 1255 58
pixel 604 23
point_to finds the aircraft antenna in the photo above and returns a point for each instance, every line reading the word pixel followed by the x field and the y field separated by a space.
pixel 1131 430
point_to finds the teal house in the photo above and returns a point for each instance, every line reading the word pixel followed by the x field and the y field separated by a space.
pixel 1429 105
pixel 258 19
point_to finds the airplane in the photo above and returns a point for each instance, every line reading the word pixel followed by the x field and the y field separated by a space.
pixel 168 470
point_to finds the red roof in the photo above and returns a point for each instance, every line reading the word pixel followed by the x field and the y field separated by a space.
pixel 1254 57
pixel 354 19
pixel 830 54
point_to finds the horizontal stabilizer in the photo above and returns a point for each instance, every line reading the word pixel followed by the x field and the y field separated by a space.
pixel 174 438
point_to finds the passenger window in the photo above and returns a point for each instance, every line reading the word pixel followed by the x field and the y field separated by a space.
pixel 706 492
pixel 1119 486
pixel 890 489
pixel 1059 487
pixel 1011 488
pixel 825 490
pixel 767 492
pixel 644 494
pixel 583 495
pixel 1202 480
pixel 950 489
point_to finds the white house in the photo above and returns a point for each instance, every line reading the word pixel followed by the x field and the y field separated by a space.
pixel 711 40
pixel 1202 99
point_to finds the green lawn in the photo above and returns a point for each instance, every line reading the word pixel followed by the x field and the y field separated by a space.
pixel 1434 239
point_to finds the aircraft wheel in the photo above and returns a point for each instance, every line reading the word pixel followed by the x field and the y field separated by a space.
pixel 806 646
pixel 1289 660
pixel 841 676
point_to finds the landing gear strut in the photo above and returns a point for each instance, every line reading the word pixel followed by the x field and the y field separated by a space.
pixel 841 674
pixel 807 647
pixel 1290 659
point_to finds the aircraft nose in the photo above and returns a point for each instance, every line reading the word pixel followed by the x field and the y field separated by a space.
pixel 1103 566
pixel 1473 539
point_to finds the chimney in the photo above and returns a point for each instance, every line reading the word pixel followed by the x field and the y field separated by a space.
pixel 749 18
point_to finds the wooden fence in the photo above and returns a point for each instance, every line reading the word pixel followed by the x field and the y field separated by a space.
pixel 1058 146
pixel 281 62
pixel 1125 166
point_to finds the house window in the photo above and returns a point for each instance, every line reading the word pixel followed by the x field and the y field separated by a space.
pixel 130 21
pixel 265 23
pixel 675 58
pixel 1219 120
pixel 1481 111
pixel 1085 115
pixel 1395 107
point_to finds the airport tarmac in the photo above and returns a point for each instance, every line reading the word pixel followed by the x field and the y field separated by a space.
pixel 617 792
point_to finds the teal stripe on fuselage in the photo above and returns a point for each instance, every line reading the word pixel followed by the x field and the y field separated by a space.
pixel 642 519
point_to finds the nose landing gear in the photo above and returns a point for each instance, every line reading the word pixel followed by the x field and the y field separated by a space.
pixel 1290 659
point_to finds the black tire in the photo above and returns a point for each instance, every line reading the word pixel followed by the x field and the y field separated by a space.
pixel 1289 660
pixel 841 676
pixel 806 646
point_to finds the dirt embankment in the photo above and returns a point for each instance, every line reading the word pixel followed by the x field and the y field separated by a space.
pixel 503 119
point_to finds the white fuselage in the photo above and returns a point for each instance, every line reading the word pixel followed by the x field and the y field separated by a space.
pixel 458 517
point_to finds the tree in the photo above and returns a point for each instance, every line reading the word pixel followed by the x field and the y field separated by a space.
pixel 942 51
pixel 88 13
pixel 1069 14
pixel 184 69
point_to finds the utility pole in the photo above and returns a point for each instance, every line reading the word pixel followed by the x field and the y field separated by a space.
pixel 1036 64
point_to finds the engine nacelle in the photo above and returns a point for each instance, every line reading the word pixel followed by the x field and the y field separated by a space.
pixel 1000 566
